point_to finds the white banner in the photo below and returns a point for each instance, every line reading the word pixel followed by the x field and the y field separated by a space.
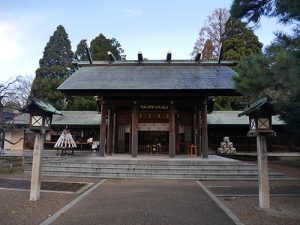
pixel 153 126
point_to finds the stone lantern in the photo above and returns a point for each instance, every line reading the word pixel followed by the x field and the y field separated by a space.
pixel 260 126
pixel 260 117
pixel 40 121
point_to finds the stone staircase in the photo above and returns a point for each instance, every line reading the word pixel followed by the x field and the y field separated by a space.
pixel 154 169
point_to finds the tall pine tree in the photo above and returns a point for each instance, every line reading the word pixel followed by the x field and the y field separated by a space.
pixel 81 54
pixel 55 67
pixel 238 41
pixel 101 45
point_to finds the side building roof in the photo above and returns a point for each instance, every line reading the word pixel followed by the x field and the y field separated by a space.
pixel 92 118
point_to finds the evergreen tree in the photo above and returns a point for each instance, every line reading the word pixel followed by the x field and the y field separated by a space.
pixel 55 67
pixel 101 45
pixel 81 54
pixel 252 10
pixel 81 103
pixel 277 72
pixel 238 40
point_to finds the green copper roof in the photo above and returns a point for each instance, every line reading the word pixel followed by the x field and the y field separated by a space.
pixel 260 105
pixel 82 118
pixel 92 118
pixel 42 105
pixel 233 118
pixel 86 118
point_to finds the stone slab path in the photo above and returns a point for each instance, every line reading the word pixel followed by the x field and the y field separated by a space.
pixel 145 202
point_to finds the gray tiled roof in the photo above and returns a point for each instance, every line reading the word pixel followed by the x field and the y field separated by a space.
pixel 150 77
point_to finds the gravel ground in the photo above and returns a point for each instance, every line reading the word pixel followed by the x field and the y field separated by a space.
pixel 16 209
pixel 283 211
pixel 21 175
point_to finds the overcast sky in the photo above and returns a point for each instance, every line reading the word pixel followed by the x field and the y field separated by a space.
pixel 153 27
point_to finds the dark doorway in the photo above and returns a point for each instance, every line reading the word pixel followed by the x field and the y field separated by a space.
pixel 154 142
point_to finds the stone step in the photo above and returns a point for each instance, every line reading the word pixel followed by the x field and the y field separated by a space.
pixel 146 167
pixel 154 169
pixel 150 165
pixel 147 172
pixel 147 163
pixel 206 176
pixel 139 161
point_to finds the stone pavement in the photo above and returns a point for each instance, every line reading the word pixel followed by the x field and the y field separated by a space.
pixel 145 202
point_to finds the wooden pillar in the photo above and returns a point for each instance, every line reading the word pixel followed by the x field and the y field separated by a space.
pixel 114 132
pixel 198 131
pixel 134 132
pixel 172 135
pixel 110 132
pixel 35 187
pixel 204 136
pixel 103 129
pixel 194 129
pixel 263 180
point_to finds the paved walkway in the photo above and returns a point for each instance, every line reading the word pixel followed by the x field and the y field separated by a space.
pixel 145 202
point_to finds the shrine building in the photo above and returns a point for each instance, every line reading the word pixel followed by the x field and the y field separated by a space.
pixel 151 106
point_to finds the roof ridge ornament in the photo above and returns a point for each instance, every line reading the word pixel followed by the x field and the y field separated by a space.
pixel 198 57
pixel 88 52
pixel 220 53
pixel 169 56
pixel 111 57
pixel 140 57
